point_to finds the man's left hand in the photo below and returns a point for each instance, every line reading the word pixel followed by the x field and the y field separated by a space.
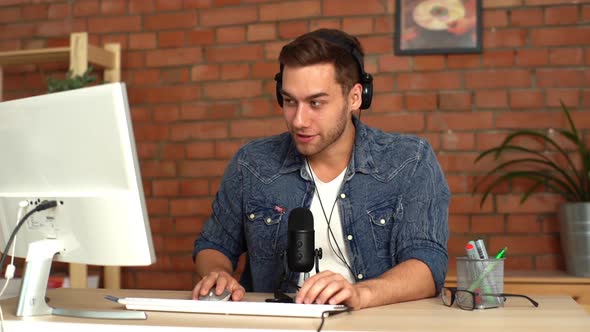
pixel 328 287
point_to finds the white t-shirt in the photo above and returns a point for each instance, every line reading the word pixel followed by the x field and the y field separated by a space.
pixel 329 194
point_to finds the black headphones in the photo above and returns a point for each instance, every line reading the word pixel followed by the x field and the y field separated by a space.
pixel 366 80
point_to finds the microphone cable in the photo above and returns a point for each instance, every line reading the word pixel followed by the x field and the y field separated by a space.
pixel 339 254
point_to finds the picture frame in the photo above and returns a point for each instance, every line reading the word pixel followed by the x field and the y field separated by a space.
pixel 438 27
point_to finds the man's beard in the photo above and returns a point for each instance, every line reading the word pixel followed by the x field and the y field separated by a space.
pixel 332 136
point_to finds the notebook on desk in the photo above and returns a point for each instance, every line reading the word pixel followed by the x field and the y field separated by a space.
pixel 230 307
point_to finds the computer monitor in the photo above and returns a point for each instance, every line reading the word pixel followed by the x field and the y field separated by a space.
pixel 76 147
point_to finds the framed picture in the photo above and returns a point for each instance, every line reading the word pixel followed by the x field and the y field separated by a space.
pixel 437 26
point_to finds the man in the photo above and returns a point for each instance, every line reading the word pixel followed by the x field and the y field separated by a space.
pixel 386 240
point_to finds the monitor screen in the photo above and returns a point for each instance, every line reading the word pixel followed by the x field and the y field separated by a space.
pixel 75 147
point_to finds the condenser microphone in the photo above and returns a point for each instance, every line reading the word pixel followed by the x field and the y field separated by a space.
pixel 300 242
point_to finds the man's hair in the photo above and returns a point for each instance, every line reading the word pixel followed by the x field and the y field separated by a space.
pixel 326 46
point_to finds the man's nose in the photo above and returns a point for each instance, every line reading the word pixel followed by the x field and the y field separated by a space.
pixel 301 118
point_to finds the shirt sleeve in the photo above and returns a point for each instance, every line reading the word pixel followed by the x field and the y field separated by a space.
pixel 424 232
pixel 223 230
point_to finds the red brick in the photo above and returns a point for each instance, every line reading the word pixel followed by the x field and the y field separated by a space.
pixel 487 224
pixel 292 29
pixel 527 17
pixel 527 99
pixel 460 121
pixel 459 183
pixel 202 168
pixel 353 7
pixel 532 57
pixel 495 18
pixel 429 81
pixel 176 93
pixel 259 32
pixel 192 206
pixel 534 204
pixel 516 78
pixel 383 83
pixel 383 24
pixel 526 244
pixel 141 6
pixel 170 39
pixel 235 71
pixel 200 150
pixel 198 130
pixel 290 10
pixel 145 77
pixel 256 128
pixel 157 206
pixel 173 152
pixel 550 262
pixel 205 72
pixel 10 14
pixel 114 24
pixel 194 187
pixel 566 56
pixel 170 21
pixel 468 203
pixel 227 54
pixel 457 141
pixel 155 168
pixel 226 149
pixel 393 63
pixel 113 7
pixel 457 162
pixel 501 3
pixel 503 58
pixel 429 62
pixel 570 97
pixel 357 26
pixel 227 16
pixel 166 188
pixel 265 70
pixel 504 38
pixel 562 36
pixel 165 113
pixel 396 122
pixel 421 101
pixel 523 223
pixel 562 78
pixel 151 132
pixel 586 13
pixel 561 15
pixel 163 5
pixel 198 4
pixel 377 44
pixel 234 89
pixel 174 57
pixel 86 8
pixel 455 61
pixel 458 224
pixel 200 36
pixel 327 23
pixel 35 12
pixel 519 120
pixel 388 103
pixel 455 101
pixel 142 40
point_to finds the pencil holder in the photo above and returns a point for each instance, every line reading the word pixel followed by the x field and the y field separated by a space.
pixel 482 277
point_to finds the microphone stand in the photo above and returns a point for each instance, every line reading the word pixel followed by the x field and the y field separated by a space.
pixel 279 295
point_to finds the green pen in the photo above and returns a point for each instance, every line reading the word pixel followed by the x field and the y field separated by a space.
pixel 501 253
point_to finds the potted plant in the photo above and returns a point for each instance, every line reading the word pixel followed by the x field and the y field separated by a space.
pixel 570 180
pixel 70 82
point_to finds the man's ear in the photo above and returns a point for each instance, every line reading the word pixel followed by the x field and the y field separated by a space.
pixel 355 97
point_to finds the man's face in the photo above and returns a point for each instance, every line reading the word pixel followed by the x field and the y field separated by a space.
pixel 315 109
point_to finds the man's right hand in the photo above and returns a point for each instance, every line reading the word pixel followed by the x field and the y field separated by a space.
pixel 219 280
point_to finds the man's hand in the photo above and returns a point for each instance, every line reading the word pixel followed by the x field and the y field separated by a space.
pixel 328 287
pixel 220 280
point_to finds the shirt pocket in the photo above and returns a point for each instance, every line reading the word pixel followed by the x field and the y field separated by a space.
pixel 382 219
pixel 262 228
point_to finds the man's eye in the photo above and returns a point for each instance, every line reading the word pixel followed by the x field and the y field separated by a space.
pixel 315 103
pixel 289 101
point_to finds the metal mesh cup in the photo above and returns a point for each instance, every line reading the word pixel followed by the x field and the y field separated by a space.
pixel 482 276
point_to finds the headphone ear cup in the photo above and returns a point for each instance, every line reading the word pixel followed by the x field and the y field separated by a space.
pixel 367 93
pixel 278 87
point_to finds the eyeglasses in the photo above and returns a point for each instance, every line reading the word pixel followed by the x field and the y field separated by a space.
pixel 468 300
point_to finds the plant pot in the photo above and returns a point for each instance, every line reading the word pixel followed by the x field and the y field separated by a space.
pixel 574 221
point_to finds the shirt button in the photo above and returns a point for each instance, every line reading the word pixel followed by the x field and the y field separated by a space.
pixel 268 220
pixel 252 216
pixel 343 195
pixel 349 237
pixel 382 221
pixel 360 276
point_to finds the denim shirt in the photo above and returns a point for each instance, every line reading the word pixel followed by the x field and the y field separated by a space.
pixel 393 206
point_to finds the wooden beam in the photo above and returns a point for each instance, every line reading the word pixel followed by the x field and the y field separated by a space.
pixel 42 55
pixel 78 53
pixel 101 56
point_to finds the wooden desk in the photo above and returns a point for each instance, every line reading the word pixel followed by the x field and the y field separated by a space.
pixel 554 312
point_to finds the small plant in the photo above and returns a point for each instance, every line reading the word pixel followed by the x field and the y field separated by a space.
pixel 570 181
pixel 70 82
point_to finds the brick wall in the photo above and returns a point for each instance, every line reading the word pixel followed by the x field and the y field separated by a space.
pixel 200 81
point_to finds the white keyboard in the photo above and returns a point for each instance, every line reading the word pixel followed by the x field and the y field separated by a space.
pixel 230 307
